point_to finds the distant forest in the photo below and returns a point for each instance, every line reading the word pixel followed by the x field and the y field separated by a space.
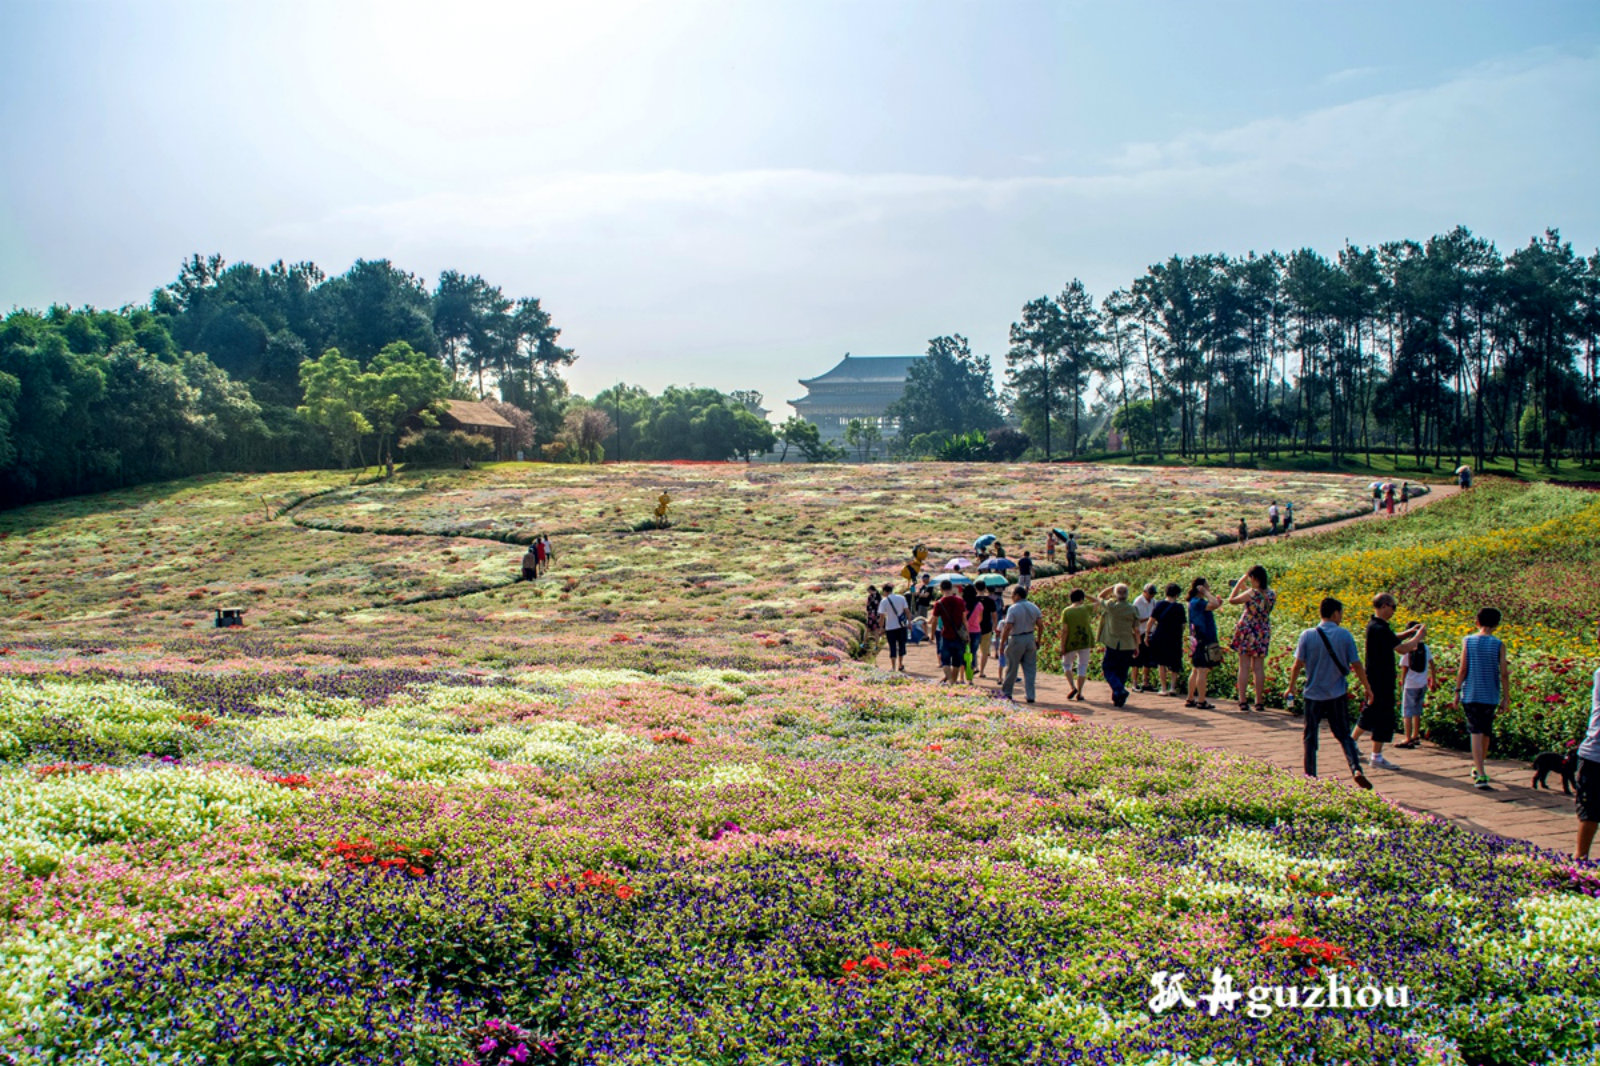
pixel 235 367
pixel 1443 351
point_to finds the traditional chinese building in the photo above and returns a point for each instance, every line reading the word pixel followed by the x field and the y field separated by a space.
pixel 860 386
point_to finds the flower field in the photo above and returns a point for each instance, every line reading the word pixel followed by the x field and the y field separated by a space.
pixel 1530 550
pixel 650 810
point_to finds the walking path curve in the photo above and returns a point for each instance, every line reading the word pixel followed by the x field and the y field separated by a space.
pixel 1431 779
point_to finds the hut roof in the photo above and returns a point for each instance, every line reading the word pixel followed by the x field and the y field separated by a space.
pixel 473 413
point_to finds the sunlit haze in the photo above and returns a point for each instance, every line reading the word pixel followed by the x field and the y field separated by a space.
pixel 737 194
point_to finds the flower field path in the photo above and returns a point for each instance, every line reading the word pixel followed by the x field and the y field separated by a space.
pixel 1431 779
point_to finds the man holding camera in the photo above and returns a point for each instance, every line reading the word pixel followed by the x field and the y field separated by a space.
pixel 1384 646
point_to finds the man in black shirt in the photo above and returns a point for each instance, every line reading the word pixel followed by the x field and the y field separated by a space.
pixel 922 598
pixel 1383 648
pixel 1025 570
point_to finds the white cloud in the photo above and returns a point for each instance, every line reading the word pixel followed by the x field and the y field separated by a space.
pixel 755 276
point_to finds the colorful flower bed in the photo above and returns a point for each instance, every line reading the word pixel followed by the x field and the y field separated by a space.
pixel 1530 550
pixel 479 831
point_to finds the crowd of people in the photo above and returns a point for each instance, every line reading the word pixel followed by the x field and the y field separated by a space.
pixel 1145 641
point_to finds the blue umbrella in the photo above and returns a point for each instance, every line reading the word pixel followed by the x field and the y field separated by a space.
pixel 983 542
pixel 954 579
pixel 996 564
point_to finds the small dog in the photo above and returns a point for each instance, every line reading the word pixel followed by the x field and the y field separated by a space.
pixel 1564 763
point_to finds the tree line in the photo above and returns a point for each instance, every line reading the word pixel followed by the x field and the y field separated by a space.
pixel 1444 350
pixel 238 367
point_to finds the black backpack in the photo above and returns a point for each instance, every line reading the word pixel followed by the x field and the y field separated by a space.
pixel 1417 661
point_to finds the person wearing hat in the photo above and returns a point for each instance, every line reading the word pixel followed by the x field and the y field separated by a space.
pixel 1144 656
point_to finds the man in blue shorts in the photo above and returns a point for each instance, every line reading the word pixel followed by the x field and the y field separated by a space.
pixel 950 624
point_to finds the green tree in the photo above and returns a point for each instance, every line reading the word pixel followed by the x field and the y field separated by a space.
pixel 398 383
pixel 863 435
pixel 951 391
pixel 333 401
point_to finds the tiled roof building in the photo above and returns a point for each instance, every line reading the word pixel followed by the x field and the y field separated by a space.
pixel 860 386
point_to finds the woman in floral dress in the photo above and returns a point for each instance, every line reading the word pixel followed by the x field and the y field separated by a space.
pixel 1252 637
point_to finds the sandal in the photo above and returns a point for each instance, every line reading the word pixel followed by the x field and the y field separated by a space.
pixel 1188 703
pixel 1204 706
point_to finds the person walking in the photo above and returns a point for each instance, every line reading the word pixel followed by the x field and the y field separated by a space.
pixel 922 597
pixel 1587 799
pixel 1383 644
pixel 1077 642
pixel 1327 655
pixel 969 596
pixel 1388 499
pixel 1072 551
pixel 549 552
pixel 1417 678
pixel 1017 638
pixel 530 563
pixel 1244 532
pixel 1405 497
pixel 1168 620
pixel 1144 662
pixel 1025 570
pixel 1273 517
pixel 1483 687
pixel 1119 623
pixel 1202 638
pixel 950 627
pixel 1050 546
pixel 1377 497
pixel 874 622
pixel 892 614
pixel 1252 636
pixel 991 613
pixel 1288 518
pixel 538 555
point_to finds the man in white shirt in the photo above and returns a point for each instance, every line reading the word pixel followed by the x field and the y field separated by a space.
pixel 1144 663
pixel 1018 639
pixel 896 624
pixel 1589 774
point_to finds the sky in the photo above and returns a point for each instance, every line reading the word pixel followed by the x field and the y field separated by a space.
pixel 736 194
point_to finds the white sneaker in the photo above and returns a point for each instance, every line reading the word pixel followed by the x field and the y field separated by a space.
pixel 1383 764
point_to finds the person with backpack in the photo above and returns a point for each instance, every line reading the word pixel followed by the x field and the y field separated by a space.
pixel 1327 655
pixel 1483 687
pixel 1077 642
pixel 896 626
pixel 1417 679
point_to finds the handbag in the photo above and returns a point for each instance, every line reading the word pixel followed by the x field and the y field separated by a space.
pixel 1215 653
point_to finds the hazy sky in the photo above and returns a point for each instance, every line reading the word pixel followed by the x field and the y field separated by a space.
pixel 736 194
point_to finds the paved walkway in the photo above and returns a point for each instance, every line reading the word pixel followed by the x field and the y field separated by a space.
pixel 1432 779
